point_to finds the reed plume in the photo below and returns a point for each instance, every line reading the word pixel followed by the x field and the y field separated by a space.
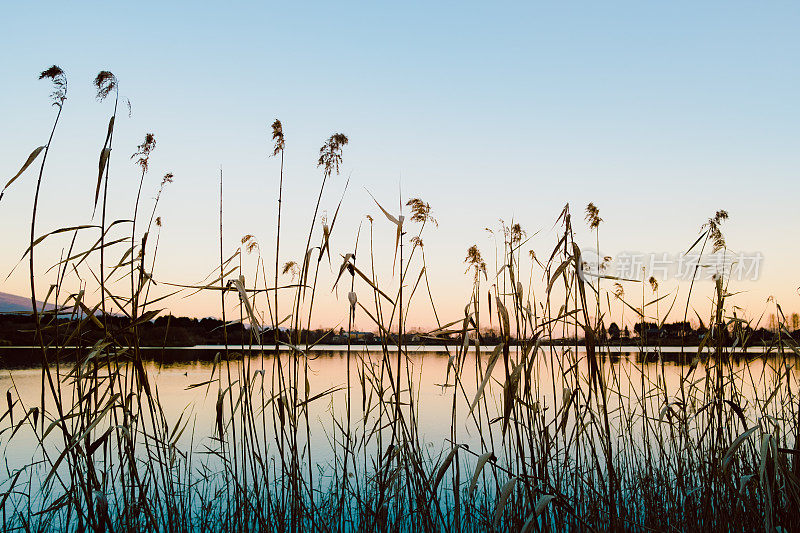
pixel 59 80
pixel 105 82
pixel 593 216
pixel 330 155
pixel 547 428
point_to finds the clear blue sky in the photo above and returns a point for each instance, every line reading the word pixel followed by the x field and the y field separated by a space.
pixel 658 112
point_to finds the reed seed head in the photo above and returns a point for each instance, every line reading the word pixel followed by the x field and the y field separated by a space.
pixel 143 151
pixel 619 291
pixel 330 155
pixel 59 80
pixel 291 266
pixel 421 211
pixel 250 243
pixel 475 260
pixel 277 136
pixel 714 232
pixel 105 82
pixel 653 283
pixel 593 216
pixel 473 255
pixel 517 233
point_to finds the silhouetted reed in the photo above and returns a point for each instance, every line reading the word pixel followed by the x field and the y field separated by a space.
pixel 559 437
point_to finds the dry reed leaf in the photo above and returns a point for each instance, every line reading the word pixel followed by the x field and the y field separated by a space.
pixel 532 350
pixel 28 414
pixel 295 348
pixel 103 161
pixel 656 300
pixel 141 374
pixel 767 476
pixel 10 405
pixel 164 297
pixel 775 391
pixel 55 232
pixel 529 312
pixel 444 328
pixel 489 299
pixel 353 299
pixel 541 505
pixel 608 276
pixel 220 397
pixel 482 460
pixel 664 410
pixel 254 322
pixel 505 492
pixel 739 412
pixel 726 460
pixel 464 332
pixel 80 438
pixel 281 406
pixel 504 320
pixel 90 314
pixel 96 352
pixel 767 443
pixel 99 442
pixel 345 261
pixel 389 216
pixel 305 269
pixel 510 395
pixel 486 376
pixel 561 242
pixel 99 244
pixel 557 273
pixel 31 159
pixel 104 154
pixel 326 235
pixel 664 320
pixel 326 240
pixel 442 469
pixel 568 398
pixel 397 221
pixel 122 262
pixel 195 385
pixel 317 396
pixel 700 238
pixel 10 488
pixel 145 317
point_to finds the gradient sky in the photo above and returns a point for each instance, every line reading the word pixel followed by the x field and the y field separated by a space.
pixel 658 112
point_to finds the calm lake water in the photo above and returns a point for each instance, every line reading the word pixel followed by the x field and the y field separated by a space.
pixel 626 376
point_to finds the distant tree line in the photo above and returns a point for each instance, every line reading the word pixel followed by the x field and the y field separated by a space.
pixel 171 331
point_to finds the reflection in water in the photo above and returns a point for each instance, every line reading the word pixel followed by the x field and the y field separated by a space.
pixel 635 385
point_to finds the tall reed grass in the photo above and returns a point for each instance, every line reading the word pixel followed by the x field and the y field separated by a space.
pixel 568 444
